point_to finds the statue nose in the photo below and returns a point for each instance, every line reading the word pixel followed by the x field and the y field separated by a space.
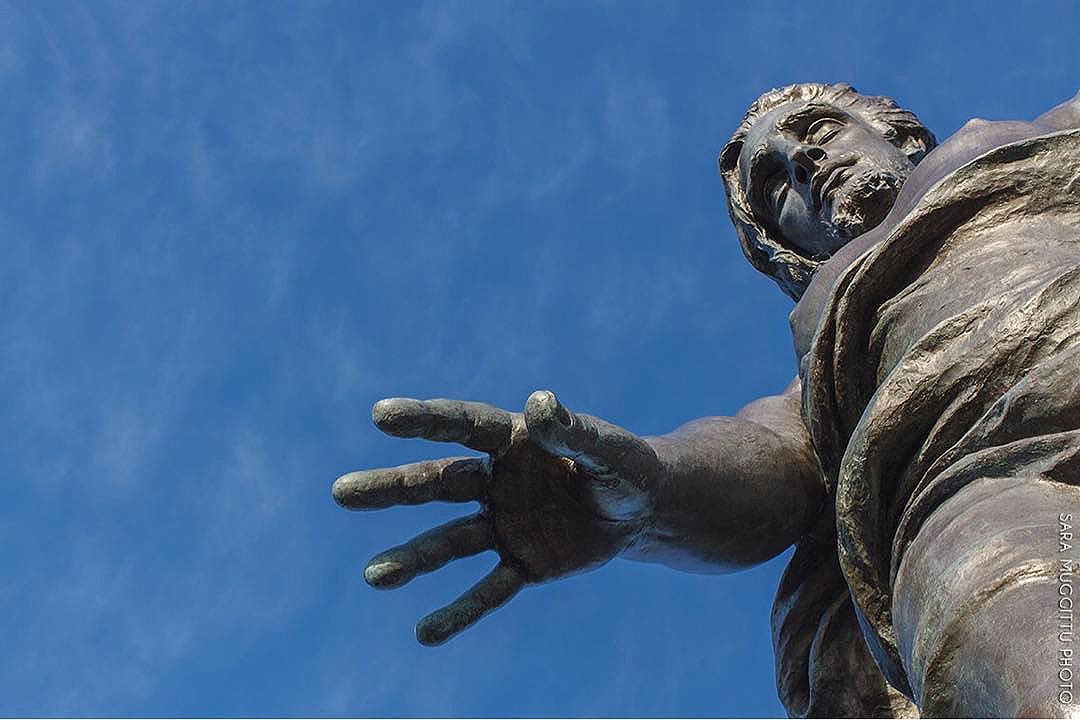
pixel 806 160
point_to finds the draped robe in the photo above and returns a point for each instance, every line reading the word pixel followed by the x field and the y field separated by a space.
pixel 946 353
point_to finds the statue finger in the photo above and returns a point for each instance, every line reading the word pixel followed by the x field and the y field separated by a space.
pixel 605 450
pixel 476 425
pixel 492 592
pixel 448 480
pixel 426 553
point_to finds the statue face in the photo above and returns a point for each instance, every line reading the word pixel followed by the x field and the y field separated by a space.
pixel 819 176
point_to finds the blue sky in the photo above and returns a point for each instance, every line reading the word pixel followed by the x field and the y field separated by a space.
pixel 228 228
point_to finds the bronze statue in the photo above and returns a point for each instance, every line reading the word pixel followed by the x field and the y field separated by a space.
pixel 925 461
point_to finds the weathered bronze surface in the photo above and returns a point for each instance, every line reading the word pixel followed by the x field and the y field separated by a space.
pixel 925 461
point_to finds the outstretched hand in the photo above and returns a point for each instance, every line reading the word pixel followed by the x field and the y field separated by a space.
pixel 560 493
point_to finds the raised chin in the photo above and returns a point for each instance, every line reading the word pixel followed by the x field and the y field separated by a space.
pixel 862 202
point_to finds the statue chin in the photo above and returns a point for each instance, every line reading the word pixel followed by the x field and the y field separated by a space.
pixel 863 203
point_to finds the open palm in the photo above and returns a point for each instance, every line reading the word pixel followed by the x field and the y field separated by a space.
pixel 560 493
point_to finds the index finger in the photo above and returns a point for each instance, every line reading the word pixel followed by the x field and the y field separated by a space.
pixel 475 425
pixel 448 480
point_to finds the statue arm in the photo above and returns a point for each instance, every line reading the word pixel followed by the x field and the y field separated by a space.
pixel 1065 116
pixel 562 493
pixel 737 491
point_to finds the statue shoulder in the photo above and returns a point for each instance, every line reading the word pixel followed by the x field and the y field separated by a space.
pixel 1065 116
pixel 976 137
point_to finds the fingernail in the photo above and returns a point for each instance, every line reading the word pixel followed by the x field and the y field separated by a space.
pixel 340 490
pixel 384 575
pixel 543 404
pixel 381 411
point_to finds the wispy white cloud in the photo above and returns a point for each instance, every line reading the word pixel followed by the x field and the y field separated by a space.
pixel 228 230
pixel 110 620
pixel 637 120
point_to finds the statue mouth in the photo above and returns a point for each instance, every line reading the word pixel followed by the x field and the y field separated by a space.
pixel 827 180
pixel 862 201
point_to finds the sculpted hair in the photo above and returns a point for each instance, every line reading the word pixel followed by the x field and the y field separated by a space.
pixel 764 247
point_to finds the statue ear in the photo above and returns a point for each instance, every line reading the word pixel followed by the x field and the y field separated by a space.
pixel 914 148
pixel 729 156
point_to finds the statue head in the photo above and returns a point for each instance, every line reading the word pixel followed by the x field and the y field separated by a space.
pixel 811 167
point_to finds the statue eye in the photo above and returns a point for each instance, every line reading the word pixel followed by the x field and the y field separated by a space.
pixel 823 130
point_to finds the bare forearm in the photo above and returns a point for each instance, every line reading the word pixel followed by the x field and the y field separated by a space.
pixel 737 490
